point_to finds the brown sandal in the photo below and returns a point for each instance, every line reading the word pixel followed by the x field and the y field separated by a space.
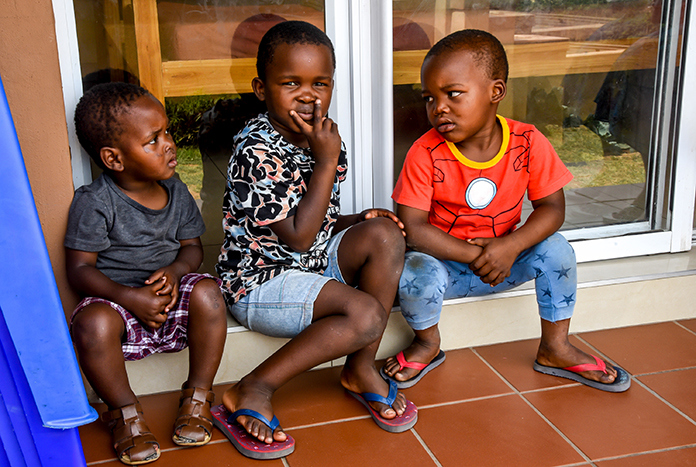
pixel 194 423
pixel 133 442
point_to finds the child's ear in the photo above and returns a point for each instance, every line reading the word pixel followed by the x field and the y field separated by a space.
pixel 499 90
pixel 111 158
pixel 259 88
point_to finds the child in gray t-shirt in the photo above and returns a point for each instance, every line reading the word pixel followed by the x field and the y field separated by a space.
pixel 132 249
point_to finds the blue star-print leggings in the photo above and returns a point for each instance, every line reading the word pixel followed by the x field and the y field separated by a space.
pixel 427 281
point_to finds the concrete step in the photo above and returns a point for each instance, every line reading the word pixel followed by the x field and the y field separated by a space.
pixel 611 294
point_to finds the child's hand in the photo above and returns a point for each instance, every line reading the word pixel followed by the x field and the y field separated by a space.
pixel 322 135
pixel 165 284
pixel 379 212
pixel 494 263
pixel 149 306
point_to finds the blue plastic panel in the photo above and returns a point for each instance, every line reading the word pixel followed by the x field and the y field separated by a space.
pixel 29 297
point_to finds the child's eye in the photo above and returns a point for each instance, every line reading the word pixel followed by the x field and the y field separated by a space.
pixel 153 140
pixel 290 83
pixel 428 99
pixel 454 93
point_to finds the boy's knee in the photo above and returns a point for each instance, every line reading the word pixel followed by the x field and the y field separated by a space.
pixel 385 234
pixel 96 323
pixel 206 296
pixel 423 275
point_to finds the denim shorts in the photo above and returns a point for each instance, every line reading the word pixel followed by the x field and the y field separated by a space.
pixel 284 306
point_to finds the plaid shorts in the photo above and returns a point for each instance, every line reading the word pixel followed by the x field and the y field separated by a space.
pixel 141 341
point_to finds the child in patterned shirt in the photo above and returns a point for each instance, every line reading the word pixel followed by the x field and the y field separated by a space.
pixel 291 264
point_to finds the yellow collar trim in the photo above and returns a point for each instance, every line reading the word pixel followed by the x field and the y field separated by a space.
pixel 484 165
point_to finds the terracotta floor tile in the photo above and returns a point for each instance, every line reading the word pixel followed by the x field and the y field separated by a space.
pixel 462 376
pixel 315 397
pixel 604 425
pixel 676 457
pixel 514 360
pixel 214 454
pixel 677 387
pixel 689 323
pixel 501 431
pixel 96 441
pixel 159 411
pixel 648 348
pixel 356 443
pixel 312 397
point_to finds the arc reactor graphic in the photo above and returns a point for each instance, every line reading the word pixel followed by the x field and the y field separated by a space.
pixel 480 193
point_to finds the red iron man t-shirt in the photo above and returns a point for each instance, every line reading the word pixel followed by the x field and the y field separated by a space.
pixel 469 199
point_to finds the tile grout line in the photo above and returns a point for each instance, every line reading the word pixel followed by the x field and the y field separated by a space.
pixel 329 422
pixel 654 451
pixel 665 401
pixel 425 446
pixel 684 327
pixel 543 417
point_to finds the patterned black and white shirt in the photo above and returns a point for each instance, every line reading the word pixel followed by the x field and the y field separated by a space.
pixel 266 179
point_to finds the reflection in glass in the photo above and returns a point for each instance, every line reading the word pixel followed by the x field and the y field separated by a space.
pixel 198 57
pixel 583 72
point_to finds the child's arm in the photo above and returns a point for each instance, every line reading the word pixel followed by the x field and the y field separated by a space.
pixel 426 238
pixel 299 231
pixel 85 278
pixel 149 303
pixel 494 263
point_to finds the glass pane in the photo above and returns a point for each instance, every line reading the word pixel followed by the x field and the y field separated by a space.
pixel 198 57
pixel 582 71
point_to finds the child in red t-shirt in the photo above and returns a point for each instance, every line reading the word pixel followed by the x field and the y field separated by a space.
pixel 460 196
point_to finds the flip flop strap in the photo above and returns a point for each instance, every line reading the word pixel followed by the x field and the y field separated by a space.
pixel 403 363
pixel 388 401
pixel 272 424
pixel 600 366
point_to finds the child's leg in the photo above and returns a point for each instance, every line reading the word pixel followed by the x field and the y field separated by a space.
pixel 207 329
pixel 345 321
pixel 371 257
pixel 97 332
pixel 553 261
pixel 206 332
pixel 422 289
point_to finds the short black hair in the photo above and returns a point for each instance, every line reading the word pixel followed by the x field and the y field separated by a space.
pixel 98 115
pixel 289 32
pixel 484 46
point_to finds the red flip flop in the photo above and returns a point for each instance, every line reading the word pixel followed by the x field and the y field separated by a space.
pixel 398 424
pixel 246 444
pixel 424 368
pixel 621 383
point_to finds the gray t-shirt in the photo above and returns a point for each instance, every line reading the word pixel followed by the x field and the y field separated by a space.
pixel 132 240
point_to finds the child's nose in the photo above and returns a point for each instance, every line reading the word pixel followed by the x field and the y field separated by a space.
pixel 440 107
pixel 307 97
pixel 307 94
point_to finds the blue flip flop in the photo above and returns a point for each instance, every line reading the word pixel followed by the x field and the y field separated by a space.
pixel 246 444
pixel 424 369
pixel 403 422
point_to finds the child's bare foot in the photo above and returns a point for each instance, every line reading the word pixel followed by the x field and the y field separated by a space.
pixel 249 395
pixel 369 380
pixel 567 355
pixel 424 348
